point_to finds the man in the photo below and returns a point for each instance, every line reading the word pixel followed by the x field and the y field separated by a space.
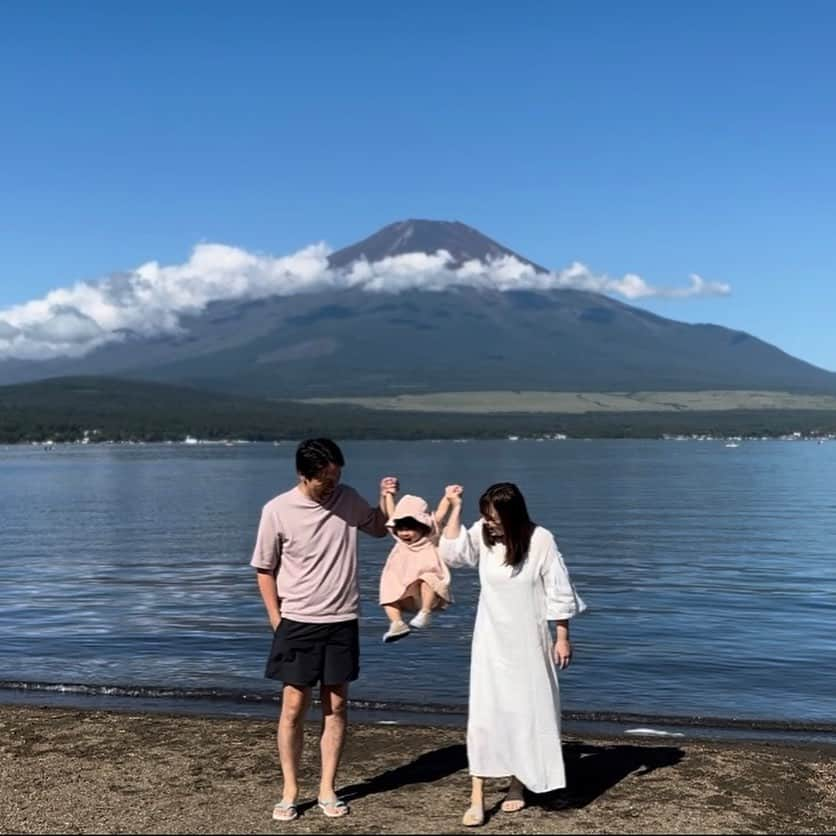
pixel 306 561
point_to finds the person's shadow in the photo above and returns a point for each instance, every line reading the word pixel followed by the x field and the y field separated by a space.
pixel 591 770
pixel 426 768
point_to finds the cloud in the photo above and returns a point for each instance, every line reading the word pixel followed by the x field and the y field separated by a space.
pixel 632 286
pixel 7 331
pixel 65 325
pixel 150 300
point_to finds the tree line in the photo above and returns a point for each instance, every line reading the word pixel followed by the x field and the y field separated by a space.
pixel 67 409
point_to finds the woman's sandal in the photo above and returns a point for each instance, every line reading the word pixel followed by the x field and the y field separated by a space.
pixel 512 804
pixel 473 816
pixel 285 811
pixel 514 800
pixel 334 809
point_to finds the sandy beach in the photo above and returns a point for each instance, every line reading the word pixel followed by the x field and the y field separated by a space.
pixel 74 771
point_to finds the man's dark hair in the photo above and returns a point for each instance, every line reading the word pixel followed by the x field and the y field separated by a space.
pixel 315 454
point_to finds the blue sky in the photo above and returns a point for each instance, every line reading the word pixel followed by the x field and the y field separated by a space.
pixel 662 139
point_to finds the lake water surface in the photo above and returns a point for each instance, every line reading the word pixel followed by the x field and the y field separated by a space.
pixel 710 572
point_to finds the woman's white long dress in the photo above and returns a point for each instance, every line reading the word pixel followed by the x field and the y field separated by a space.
pixel 513 725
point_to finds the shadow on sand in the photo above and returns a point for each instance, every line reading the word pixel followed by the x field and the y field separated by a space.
pixel 591 770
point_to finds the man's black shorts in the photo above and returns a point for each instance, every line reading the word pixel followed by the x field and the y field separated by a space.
pixel 304 653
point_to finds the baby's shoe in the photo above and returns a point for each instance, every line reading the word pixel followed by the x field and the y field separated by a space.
pixel 397 630
pixel 421 620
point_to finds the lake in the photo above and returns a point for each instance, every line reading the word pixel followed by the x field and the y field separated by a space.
pixel 709 572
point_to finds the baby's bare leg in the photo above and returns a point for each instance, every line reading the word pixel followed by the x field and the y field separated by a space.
pixel 393 612
pixel 411 601
pixel 429 600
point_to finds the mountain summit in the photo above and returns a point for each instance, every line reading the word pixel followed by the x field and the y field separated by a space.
pixel 463 242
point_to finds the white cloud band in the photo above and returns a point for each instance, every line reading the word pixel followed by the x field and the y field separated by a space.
pixel 150 300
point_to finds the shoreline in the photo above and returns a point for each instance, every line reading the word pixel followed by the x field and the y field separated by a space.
pixel 73 770
pixel 225 703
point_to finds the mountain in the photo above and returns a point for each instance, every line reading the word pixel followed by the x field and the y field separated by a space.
pixel 458 338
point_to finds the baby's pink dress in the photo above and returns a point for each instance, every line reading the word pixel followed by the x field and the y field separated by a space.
pixel 416 562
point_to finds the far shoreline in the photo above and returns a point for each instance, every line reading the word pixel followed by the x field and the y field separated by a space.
pixel 112 409
pixel 196 441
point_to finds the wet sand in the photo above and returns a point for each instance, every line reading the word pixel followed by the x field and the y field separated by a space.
pixel 74 771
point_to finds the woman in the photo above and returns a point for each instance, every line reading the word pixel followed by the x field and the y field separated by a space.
pixel 513 725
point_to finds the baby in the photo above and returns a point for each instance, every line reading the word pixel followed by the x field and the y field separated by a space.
pixel 414 577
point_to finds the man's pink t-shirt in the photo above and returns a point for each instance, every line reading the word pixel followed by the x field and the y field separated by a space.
pixel 314 547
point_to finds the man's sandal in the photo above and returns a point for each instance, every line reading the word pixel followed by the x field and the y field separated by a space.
pixel 334 809
pixel 285 811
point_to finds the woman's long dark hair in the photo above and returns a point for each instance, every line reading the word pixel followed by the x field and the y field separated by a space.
pixel 508 503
